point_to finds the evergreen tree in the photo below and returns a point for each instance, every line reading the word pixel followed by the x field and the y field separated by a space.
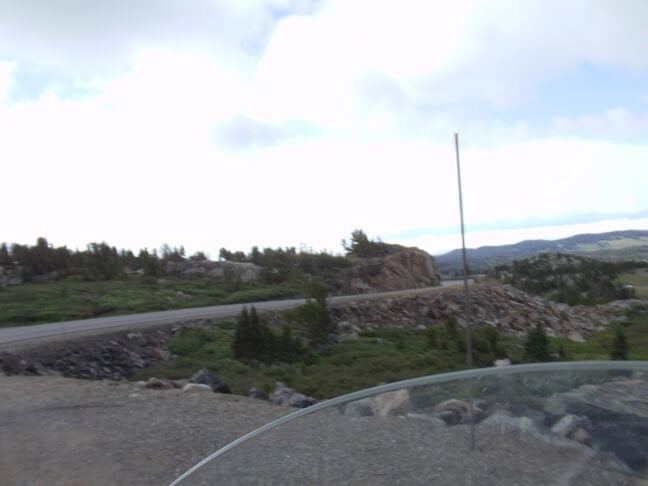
pixel 286 346
pixel 431 334
pixel 491 335
pixel 536 347
pixel 314 314
pixel 5 258
pixel 562 353
pixel 241 335
pixel 253 339
pixel 361 246
pixel 619 345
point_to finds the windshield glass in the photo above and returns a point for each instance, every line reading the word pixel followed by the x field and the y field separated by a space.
pixel 576 423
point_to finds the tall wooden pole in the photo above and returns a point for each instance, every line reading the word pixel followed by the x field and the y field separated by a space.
pixel 467 310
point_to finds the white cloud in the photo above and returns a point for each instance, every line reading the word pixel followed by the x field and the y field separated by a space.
pixel 614 122
pixel 300 131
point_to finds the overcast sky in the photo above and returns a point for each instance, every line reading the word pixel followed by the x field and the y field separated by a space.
pixel 287 122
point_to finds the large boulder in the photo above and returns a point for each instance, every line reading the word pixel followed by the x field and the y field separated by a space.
pixel 403 268
pixel 359 408
pixel 158 384
pixel 393 403
pixel 203 377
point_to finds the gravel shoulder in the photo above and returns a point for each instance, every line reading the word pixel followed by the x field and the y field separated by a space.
pixel 61 431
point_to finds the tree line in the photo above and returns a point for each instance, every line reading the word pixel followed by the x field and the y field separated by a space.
pixel 101 261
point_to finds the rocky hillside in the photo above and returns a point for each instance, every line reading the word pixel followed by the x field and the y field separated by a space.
pixel 510 310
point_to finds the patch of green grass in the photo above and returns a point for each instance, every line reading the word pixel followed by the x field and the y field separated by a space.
pixel 638 278
pixel 386 355
pixel 597 347
pixel 377 356
pixel 73 298
pixel 273 292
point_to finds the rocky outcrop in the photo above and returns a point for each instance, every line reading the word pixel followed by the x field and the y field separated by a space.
pixel 219 271
pixel 511 310
pixel 403 268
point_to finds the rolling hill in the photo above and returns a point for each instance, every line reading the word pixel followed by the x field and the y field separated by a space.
pixel 615 245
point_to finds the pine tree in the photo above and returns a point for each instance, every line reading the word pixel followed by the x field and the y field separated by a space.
pixel 314 314
pixel 491 335
pixel 562 353
pixel 536 347
pixel 5 258
pixel 619 345
pixel 241 345
pixel 253 339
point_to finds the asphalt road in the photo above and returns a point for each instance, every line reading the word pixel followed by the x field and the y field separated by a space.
pixel 25 334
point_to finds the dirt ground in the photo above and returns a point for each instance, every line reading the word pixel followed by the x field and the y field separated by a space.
pixel 60 431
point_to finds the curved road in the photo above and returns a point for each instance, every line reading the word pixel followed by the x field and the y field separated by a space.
pixel 24 334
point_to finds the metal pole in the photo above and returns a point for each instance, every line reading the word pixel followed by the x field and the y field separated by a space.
pixel 466 297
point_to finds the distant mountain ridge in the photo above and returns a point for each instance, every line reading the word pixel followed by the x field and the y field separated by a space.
pixel 614 245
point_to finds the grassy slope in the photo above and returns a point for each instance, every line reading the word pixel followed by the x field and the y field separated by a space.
pixel 384 355
pixel 638 278
pixel 73 298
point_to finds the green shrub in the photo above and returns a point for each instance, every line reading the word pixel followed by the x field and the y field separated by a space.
pixel 189 340
pixel 431 334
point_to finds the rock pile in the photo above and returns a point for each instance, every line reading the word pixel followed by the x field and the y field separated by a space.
pixel 201 381
pixel 610 417
pixel 283 395
pixel 10 276
pixel 511 310
pixel 114 356
pixel 219 271
pixel 203 377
